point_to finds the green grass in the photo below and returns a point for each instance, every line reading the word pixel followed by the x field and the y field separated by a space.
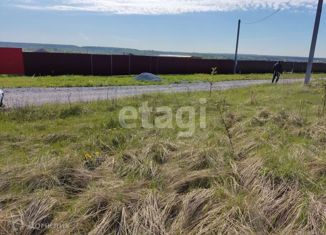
pixel 258 167
pixel 90 81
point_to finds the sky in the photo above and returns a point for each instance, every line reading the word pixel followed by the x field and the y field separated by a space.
pixel 170 25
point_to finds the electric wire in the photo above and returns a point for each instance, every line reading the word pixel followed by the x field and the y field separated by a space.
pixel 263 19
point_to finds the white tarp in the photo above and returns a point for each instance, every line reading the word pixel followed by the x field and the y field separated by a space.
pixel 148 77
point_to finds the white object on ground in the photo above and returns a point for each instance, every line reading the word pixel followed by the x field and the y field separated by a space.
pixel 148 77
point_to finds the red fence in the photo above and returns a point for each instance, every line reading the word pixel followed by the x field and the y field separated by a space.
pixel 86 64
pixel 11 61
pixel 40 63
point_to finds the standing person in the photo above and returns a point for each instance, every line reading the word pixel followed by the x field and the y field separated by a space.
pixel 2 94
pixel 277 71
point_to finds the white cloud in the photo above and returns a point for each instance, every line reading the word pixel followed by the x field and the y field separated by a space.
pixel 156 7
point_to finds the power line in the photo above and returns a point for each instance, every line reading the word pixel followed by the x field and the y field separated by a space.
pixel 265 18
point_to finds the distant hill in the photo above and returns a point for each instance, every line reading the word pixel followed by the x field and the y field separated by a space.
pixel 37 47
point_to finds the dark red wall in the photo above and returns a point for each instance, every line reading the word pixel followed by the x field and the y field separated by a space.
pixel 101 65
pixel 11 61
pixel 120 65
pixel 57 64
pixel 86 64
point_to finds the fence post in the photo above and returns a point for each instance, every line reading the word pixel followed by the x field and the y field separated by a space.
pixel 92 69
pixel 111 65
pixel 129 64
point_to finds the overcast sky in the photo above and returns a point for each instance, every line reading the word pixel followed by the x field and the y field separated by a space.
pixel 170 25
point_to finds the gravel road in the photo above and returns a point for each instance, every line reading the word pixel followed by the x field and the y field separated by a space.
pixel 19 97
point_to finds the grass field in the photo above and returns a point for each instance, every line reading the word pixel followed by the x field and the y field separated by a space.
pixel 259 167
pixel 90 81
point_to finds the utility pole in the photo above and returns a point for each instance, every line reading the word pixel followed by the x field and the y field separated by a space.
pixel 236 49
pixel 313 42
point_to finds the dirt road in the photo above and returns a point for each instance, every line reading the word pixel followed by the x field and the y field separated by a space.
pixel 18 97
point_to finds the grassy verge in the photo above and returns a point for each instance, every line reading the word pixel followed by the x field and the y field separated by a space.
pixel 258 167
pixel 90 81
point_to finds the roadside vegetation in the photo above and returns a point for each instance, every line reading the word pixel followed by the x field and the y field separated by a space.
pixel 91 81
pixel 259 167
